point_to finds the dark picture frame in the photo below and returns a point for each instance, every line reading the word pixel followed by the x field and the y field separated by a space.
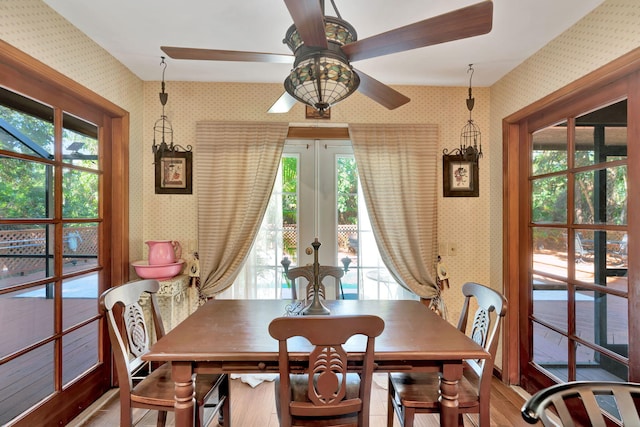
pixel 174 172
pixel 459 177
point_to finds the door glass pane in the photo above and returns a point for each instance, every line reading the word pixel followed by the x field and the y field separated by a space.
pixel 347 215
pixel 80 191
pixel 25 381
pixel 601 196
pixel 601 135
pixel 80 247
pixel 376 281
pixel 26 125
pixel 290 206
pixel 549 150
pixel 23 254
pixel 79 351
pixel 602 319
pixel 79 299
pixel 29 311
pixel 550 251
pixel 79 142
pixel 549 200
pixel 550 301
pixel 23 189
pixel 601 257
pixel 550 351
pixel 268 251
pixel 595 366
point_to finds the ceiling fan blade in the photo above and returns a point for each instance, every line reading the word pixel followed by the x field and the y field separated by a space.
pixel 308 18
pixel 283 104
pixel 226 55
pixel 462 23
pixel 380 92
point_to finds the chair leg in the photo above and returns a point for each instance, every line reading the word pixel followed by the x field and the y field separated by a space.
pixel 484 418
pixel 126 413
pixel 162 418
pixel 409 415
pixel 224 418
pixel 390 407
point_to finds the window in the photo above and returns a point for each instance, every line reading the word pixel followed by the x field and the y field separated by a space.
pixel 316 194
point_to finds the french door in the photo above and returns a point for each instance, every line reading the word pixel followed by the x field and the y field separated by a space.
pixel 58 201
pixel 577 272
pixel 579 235
pixel 316 195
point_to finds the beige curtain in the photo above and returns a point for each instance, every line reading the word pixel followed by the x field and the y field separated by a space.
pixel 397 169
pixel 236 166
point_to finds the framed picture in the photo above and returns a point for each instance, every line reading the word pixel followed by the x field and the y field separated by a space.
pixel 459 177
pixel 173 172
pixel 312 113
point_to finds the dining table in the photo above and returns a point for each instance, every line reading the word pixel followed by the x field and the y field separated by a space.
pixel 231 336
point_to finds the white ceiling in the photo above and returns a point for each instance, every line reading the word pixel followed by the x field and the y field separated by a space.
pixel 133 31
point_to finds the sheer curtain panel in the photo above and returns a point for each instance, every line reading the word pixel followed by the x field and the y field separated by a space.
pixel 235 168
pixel 397 169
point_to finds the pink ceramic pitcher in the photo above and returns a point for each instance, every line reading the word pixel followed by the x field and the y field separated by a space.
pixel 162 252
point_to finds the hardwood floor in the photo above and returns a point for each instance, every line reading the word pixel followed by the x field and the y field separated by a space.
pixel 255 407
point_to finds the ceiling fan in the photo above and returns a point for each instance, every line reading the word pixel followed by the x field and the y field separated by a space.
pixel 324 46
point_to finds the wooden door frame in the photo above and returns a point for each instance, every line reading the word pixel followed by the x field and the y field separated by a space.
pixel 605 83
pixel 24 74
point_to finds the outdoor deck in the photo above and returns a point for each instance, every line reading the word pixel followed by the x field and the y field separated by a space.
pixel 27 379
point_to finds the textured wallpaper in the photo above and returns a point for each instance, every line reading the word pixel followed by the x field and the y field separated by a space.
pixel 31 26
pixel 473 224
pixel 462 220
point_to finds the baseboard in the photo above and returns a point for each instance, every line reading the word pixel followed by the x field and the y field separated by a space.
pixel 81 419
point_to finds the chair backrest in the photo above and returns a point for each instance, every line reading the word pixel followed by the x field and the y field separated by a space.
pixel 492 307
pixel 582 401
pixel 306 271
pixel 122 308
pixel 326 382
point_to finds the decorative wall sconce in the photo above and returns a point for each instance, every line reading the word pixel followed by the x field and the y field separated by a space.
pixel 460 166
pixel 173 163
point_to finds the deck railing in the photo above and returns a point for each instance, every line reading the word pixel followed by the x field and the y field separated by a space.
pixel 23 252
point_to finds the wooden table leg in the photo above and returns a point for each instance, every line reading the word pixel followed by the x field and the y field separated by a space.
pixel 182 374
pixel 451 374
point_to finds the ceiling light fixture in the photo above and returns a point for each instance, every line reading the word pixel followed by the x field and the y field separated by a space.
pixel 163 128
pixel 322 77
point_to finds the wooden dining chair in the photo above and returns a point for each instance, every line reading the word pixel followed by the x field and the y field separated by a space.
pixel 582 403
pixel 142 385
pixel 418 393
pixel 329 392
pixel 306 271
